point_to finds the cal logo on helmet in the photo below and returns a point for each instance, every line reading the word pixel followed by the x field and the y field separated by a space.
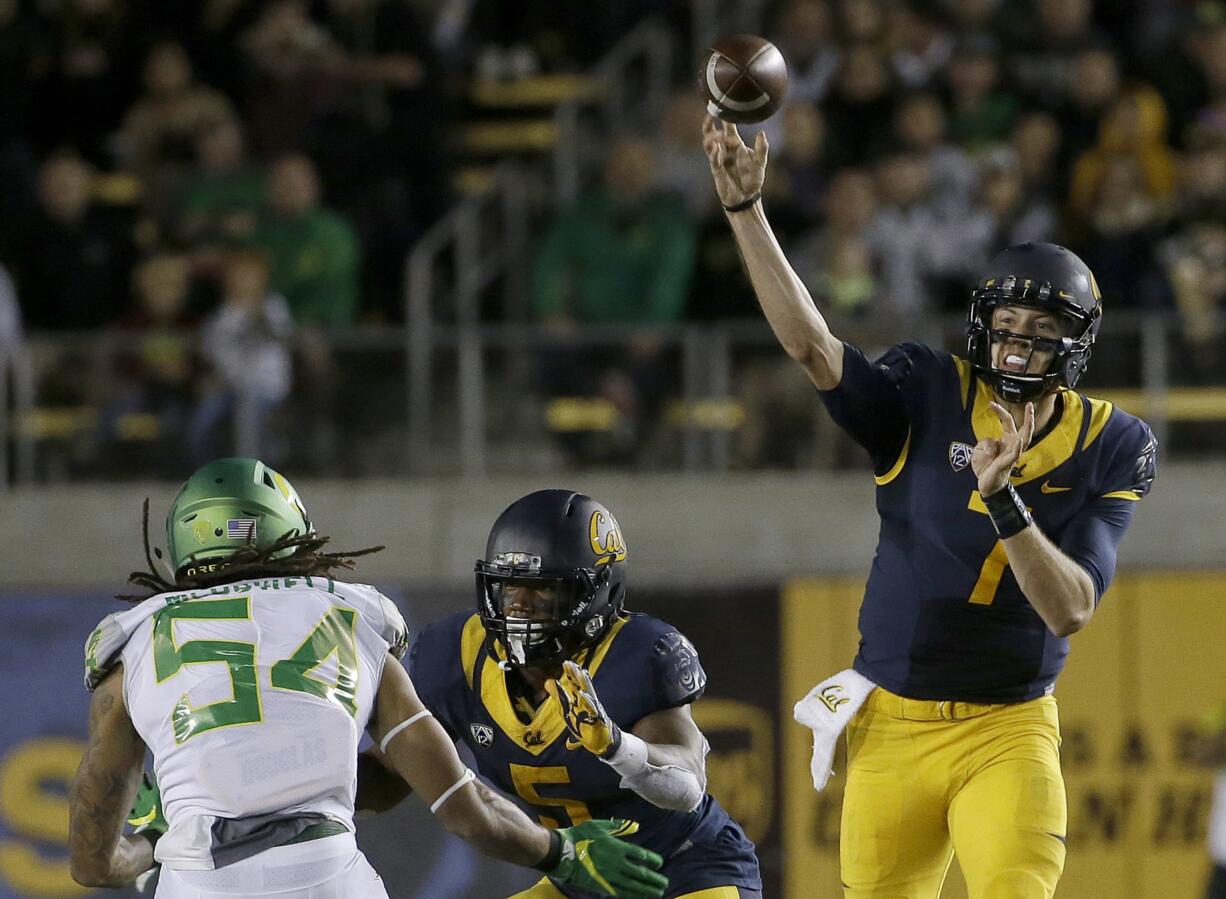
pixel 607 541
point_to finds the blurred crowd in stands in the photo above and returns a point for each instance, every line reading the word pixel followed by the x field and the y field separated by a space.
pixel 227 183
pixel 919 139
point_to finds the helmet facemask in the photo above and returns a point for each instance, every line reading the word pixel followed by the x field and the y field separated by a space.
pixel 1069 353
pixel 566 616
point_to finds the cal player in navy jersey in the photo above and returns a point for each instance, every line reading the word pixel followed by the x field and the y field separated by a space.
pixel 576 706
pixel 1003 496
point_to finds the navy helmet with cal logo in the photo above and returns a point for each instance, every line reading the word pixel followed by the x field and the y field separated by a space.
pixel 1048 277
pixel 569 547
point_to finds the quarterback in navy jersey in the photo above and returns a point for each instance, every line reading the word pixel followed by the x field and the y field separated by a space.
pixel 577 707
pixel 1003 496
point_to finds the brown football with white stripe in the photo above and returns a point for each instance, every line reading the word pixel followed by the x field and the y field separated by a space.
pixel 744 79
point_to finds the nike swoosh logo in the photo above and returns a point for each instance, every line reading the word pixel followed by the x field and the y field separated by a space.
pixel 1048 488
pixel 573 744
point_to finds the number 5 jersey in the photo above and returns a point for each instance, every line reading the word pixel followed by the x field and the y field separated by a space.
pixel 642 665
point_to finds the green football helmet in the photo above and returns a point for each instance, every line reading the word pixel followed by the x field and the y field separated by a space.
pixel 227 505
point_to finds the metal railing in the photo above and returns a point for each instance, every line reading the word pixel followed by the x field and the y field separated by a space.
pixel 17 394
pixel 484 238
pixel 479 255
pixel 635 78
pixel 489 402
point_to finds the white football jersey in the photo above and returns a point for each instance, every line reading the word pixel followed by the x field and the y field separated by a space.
pixel 252 698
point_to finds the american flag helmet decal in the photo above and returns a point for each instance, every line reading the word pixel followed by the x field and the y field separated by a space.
pixel 241 529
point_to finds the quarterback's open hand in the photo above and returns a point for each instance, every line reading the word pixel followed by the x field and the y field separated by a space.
pixel 738 171
pixel 595 859
pixel 993 459
pixel 586 719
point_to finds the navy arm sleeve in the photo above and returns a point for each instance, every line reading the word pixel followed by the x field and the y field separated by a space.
pixel 868 404
pixel 1093 538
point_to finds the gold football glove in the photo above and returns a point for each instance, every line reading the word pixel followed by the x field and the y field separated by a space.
pixel 588 723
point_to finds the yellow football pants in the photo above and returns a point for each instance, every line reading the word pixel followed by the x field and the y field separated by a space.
pixel 543 889
pixel 926 780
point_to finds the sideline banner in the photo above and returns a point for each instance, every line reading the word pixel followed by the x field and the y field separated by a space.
pixel 44 709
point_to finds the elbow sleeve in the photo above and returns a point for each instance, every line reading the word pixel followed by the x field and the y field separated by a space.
pixel 667 786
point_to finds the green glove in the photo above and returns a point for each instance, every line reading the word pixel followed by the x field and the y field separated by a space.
pixel 146 815
pixel 593 858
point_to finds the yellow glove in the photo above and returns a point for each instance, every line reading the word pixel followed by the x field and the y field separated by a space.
pixel 589 725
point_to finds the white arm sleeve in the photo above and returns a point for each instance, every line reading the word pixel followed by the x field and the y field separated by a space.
pixel 667 786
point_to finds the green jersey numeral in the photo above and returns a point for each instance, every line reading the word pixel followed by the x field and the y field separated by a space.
pixel 334 635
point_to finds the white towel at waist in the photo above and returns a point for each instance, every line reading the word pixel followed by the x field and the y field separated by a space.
pixel 826 709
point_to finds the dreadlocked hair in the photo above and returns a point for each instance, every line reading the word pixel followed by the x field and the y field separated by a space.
pixel 305 560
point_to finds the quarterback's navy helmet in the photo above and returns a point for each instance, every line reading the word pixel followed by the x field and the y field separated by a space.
pixel 1047 277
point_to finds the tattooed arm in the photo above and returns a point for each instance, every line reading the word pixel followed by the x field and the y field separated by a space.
pixel 102 792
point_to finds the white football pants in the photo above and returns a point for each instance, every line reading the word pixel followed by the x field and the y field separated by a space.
pixel 327 868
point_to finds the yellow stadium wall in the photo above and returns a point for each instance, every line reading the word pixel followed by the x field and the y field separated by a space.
pixel 1139 680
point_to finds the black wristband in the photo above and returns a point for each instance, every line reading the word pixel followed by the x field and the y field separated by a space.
pixel 554 856
pixel 1008 513
pixel 744 204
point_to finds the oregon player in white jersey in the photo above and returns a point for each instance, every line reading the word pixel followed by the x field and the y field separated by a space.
pixel 250 676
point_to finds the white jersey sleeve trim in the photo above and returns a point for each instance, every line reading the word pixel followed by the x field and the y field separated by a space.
pixel 104 647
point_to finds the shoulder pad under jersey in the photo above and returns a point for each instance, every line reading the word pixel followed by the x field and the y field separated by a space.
pixel 395 631
pixel 106 643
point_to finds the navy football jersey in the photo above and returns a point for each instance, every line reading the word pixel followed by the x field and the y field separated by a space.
pixel 943 616
pixel 641 666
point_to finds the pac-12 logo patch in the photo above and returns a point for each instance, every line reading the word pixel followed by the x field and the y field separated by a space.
pixel 483 735
pixel 960 455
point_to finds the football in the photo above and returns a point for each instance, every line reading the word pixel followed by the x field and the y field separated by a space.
pixel 744 79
